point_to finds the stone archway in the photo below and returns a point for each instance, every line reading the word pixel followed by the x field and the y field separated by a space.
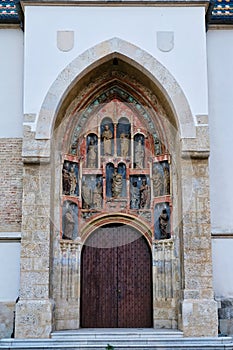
pixel 198 315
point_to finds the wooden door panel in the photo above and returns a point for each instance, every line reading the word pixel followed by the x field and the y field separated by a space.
pixel 116 279
pixel 134 281
pixel 99 283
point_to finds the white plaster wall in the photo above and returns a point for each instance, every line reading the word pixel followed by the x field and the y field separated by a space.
pixel 9 270
pixel 11 82
pixel 222 267
pixel 137 25
pixel 220 75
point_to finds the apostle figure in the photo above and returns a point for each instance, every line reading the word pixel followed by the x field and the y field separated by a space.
pixel 135 196
pixel 69 223
pixel 163 224
pixel 97 196
pixel 144 195
pixel 66 183
pixel 139 155
pixel 124 142
pixel 91 155
pixel 86 195
pixel 158 184
pixel 73 181
pixel 166 180
pixel 107 139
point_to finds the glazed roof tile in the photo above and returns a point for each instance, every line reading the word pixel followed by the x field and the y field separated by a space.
pixel 221 11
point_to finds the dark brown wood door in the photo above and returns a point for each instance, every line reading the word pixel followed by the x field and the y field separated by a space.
pixel 116 277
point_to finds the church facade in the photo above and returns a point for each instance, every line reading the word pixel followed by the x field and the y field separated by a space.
pixel 115 137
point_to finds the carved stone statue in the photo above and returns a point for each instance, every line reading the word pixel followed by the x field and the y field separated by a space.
pixel 139 155
pixel 73 181
pixel 124 142
pixel 86 195
pixel 166 180
pixel 69 223
pixel 66 181
pixel 158 182
pixel 135 196
pixel 91 155
pixel 144 195
pixel 163 224
pixel 97 196
pixel 116 184
pixel 107 139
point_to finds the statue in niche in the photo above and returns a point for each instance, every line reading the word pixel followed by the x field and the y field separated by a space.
pixel 135 196
pixel 117 182
pixel 139 155
pixel 124 142
pixel 69 223
pixel 86 195
pixel 163 224
pixel 157 147
pixel 97 196
pixel 166 180
pixel 158 182
pixel 107 139
pixel 73 181
pixel 144 195
pixel 91 154
pixel 66 181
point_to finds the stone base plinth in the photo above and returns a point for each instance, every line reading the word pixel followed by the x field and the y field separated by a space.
pixel 33 319
pixel 199 318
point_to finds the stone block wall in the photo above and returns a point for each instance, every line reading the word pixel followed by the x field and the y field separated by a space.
pixel 6 319
pixel 11 184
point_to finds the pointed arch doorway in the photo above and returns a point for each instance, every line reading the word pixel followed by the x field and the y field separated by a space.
pixel 116 279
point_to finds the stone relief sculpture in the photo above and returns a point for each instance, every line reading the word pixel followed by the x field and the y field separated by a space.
pixel 98 196
pixel 124 142
pixel 144 195
pixel 66 181
pixel 86 195
pixel 73 181
pixel 134 195
pixel 162 221
pixel 158 180
pixel 107 140
pixel 163 224
pixel 117 183
pixel 91 154
pixel 166 180
pixel 69 220
pixel 139 155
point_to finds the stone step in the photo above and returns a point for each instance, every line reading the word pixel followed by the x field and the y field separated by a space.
pixel 161 343
pixel 119 339
pixel 117 334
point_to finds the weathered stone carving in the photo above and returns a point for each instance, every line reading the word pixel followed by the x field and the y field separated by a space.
pixel 91 154
pixel 158 181
pixel 124 142
pixel 98 196
pixel 107 140
pixel 134 195
pixel 116 184
pixel 66 181
pixel 144 195
pixel 139 154
pixel 86 195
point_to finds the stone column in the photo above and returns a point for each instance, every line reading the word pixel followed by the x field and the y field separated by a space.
pixel 199 310
pixel 34 309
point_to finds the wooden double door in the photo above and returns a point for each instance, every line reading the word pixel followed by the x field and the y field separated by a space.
pixel 116 279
